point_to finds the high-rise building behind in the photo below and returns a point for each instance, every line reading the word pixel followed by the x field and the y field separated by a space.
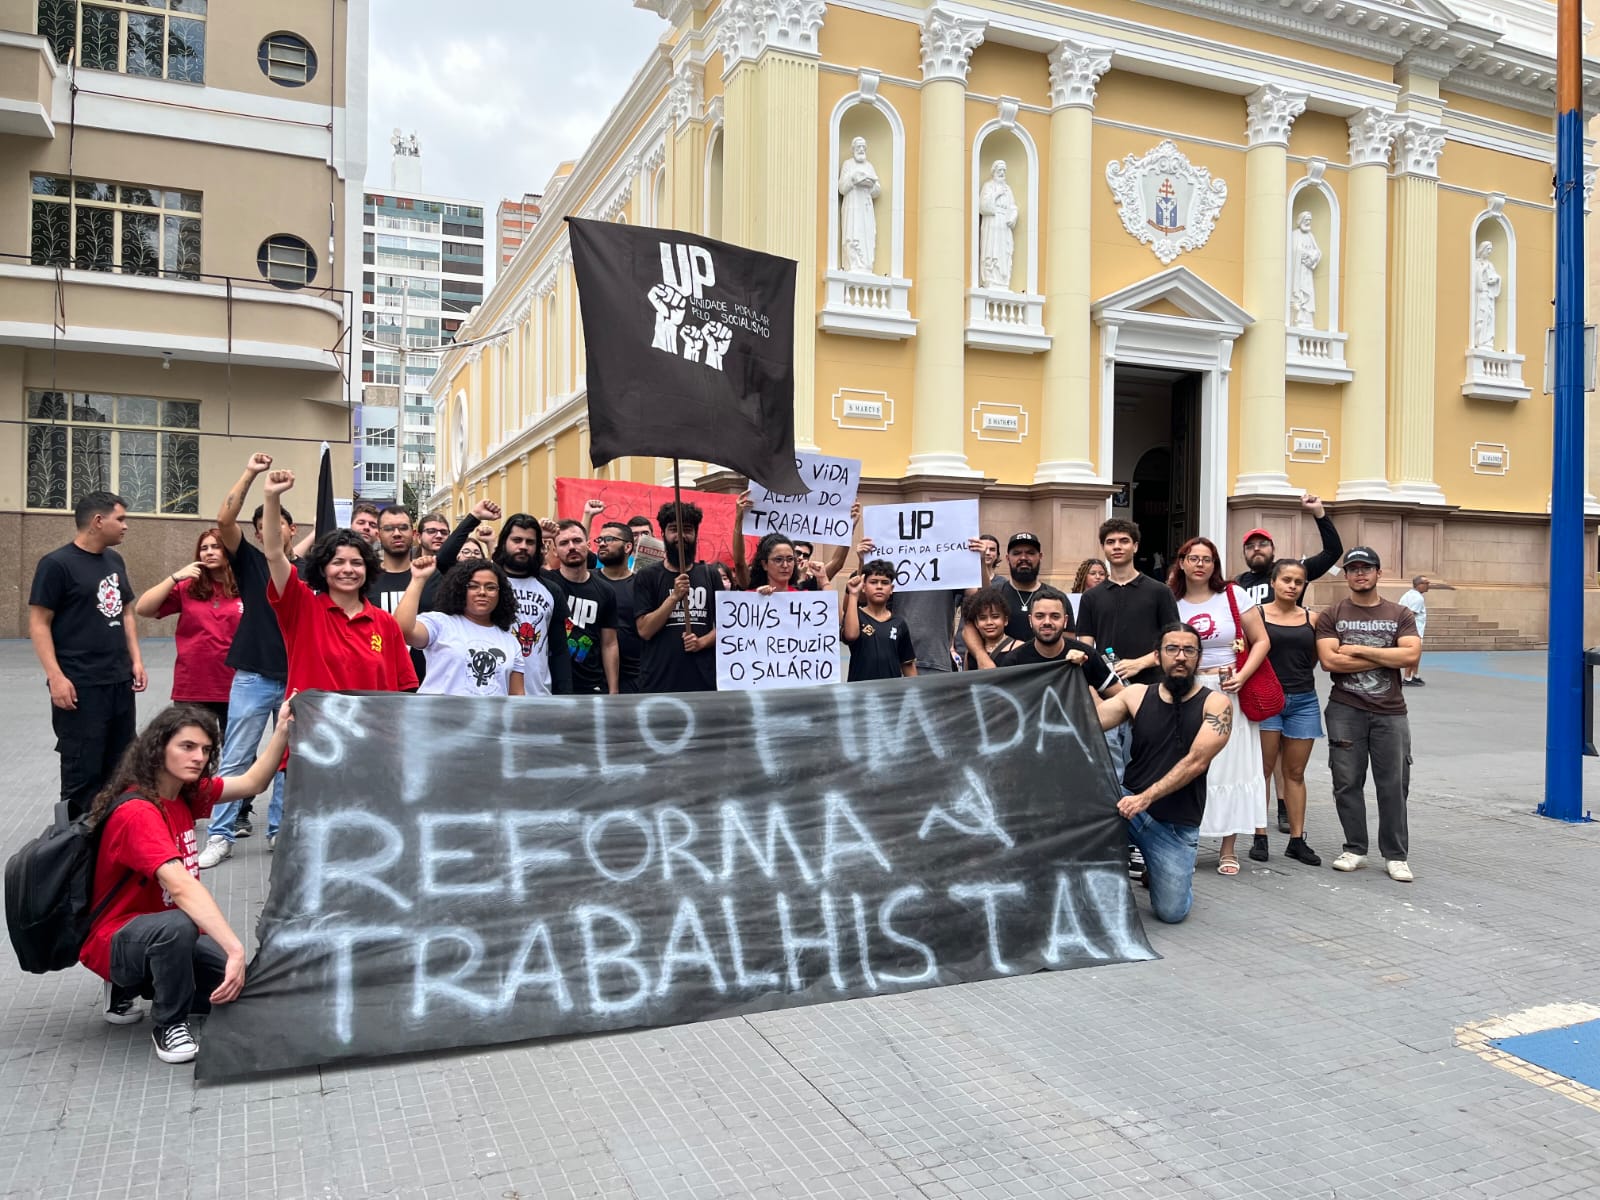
pixel 177 186
pixel 512 224
pixel 422 268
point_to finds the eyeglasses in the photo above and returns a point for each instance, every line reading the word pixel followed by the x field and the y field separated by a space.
pixel 1199 560
pixel 775 560
pixel 606 537
pixel 1181 651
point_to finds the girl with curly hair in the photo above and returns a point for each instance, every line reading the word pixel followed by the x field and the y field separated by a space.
pixel 157 932
pixel 467 638
pixel 205 597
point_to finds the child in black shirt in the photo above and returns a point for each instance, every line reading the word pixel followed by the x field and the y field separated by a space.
pixel 879 641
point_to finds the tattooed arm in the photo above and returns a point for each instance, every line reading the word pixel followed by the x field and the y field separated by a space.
pixel 1208 743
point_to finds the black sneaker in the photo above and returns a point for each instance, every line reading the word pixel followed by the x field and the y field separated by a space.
pixel 1283 818
pixel 174 1043
pixel 1136 866
pixel 1300 852
pixel 119 1009
pixel 1258 847
pixel 242 828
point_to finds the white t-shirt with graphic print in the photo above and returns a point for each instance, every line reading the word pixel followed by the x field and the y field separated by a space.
pixel 1214 622
pixel 468 659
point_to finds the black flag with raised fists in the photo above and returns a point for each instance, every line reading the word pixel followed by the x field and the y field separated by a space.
pixel 690 349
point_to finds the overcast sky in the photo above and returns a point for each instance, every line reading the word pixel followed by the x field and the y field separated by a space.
pixel 498 91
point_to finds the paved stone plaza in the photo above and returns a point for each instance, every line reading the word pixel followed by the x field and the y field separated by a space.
pixel 1298 1039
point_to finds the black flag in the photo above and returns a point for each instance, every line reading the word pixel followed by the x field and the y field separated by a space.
pixel 327 520
pixel 691 350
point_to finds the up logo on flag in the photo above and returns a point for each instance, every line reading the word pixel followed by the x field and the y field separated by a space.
pixel 686 271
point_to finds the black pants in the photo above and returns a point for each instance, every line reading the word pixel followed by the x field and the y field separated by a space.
pixel 1355 739
pixel 166 959
pixel 90 740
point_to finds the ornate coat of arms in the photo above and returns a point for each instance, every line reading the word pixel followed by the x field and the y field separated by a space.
pixel 1166 201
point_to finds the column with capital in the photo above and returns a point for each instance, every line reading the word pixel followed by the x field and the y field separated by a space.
pixel 1415 272
pixel 1064 451
pixel 1271 111
pixel 1363 440
pixel 938 439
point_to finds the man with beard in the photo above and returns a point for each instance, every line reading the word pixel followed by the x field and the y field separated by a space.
pixel 675 606
pixel 613 545
pixel 395 543
pixel 1178 728
pixel 1365 642
pixel 1023 553
pixel 591 628
pixel 1048 615
pixel 1259 554
pixel 540 609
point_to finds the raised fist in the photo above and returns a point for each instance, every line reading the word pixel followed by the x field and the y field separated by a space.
pixel 486 510
pixel 718 338
pixel 693 338
pixel 259 463
pixel 671 306
pixel 279 482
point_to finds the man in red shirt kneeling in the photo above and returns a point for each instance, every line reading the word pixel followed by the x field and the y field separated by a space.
pixel 158 932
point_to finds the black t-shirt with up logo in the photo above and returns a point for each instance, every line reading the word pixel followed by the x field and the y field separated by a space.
pixel 591 607
pixel 87 593
pixel 665 666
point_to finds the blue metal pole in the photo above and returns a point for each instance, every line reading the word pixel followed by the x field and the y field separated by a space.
pixel 1563 762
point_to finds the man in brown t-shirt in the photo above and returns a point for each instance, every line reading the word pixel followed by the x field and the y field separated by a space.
pixel 1364 642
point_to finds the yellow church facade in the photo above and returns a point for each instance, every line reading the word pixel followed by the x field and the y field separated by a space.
pixel 1174 260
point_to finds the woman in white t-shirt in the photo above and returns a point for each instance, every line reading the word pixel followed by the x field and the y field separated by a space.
pixel 1236 791
pixel 467 639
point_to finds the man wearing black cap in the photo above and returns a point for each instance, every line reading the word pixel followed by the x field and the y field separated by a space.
pixel 1364 642
pixel 1023 553
pixel 1259 554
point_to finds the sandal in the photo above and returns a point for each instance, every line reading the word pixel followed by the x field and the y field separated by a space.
pixel 1229 865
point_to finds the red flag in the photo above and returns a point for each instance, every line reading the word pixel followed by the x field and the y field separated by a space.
pixel 624 499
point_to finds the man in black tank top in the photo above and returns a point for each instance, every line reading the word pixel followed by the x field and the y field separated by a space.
pixel 1178 728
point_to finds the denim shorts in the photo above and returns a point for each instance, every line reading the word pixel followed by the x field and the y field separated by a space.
pixel 1300 717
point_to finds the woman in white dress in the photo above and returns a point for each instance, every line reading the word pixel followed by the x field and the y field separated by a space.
pixel 1236 793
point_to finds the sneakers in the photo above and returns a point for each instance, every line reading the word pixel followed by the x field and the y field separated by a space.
pixel 1400 871
pixel 1302 853
pixel 1258 848
pixel 218 849
pixel 272 842
pixel 118 1010
pixel 1349 862
pixel 1414 682
pixel 1283 818
pixel 174 1043
pixel 242 828
pixel 1136 866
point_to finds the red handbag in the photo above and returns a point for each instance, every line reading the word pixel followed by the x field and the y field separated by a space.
pixel 1262 695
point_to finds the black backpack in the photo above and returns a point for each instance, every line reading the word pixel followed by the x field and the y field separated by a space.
pixel 50 891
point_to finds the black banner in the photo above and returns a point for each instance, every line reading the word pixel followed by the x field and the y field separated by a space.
pixel 457 872
pixel 690 349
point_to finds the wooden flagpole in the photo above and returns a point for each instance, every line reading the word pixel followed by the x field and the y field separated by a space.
pixel 677 518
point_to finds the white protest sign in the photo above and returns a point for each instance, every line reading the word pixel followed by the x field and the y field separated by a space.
pixel 820 515
pixel 927 543
pixel 787 639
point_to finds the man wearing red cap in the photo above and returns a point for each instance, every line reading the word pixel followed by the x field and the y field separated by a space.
pixel 1257 580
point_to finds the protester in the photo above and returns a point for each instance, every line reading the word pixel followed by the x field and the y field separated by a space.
pixel 1260 554
pixel 591 625
pixel 395 543
pixel 880 642
pixel 991 551
pixel 1023 554
pixel 613 545
pixel 1236 793
pixel 1091 573
pixel 675 608
pixel 260 667
pixel 773 567
pixel 1178 730
pixel 88 644
pixel 473 549
pixel 364 520
pixel 986 612
pixel 157 932
pixel 932 615
pixel 467 638
pixel 1365 642
pixel 205 596
pixel 1123 614
pixel 1048 616
pixel 432 531
pixel 1287 738
pixel 335 638
pixel 1417 601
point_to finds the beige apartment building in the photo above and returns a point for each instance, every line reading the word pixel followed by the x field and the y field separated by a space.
pixel 179 184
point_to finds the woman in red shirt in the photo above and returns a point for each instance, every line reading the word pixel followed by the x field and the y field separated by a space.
pixel 157 931
pixel 337 641
pixel 206 599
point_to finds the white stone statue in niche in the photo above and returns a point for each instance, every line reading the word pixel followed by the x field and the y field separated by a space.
pixel 997 218
pixel 1304 257
pixel 858 223
pixel 1485 298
